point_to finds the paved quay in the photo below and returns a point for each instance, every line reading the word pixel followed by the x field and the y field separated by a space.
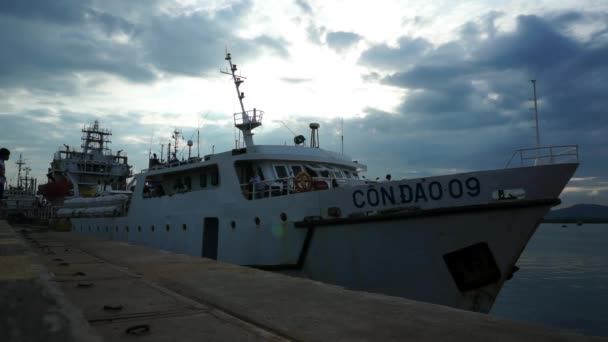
pixel 68 287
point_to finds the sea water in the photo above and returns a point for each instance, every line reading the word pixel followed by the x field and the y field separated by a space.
pixel 562 281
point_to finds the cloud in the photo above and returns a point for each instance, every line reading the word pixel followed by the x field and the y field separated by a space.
pixel 409 50
pixel 340 40
pixel 304 6
pixel 464 102
pixel 474 91
pixel 46 45
pixel 315 34
pixel 484 77
pixel 293 80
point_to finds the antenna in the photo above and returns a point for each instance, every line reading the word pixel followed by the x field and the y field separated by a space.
pixel 342 134
pixel 198 138
pixel 314 135
pixel 535 113
pixel 20 163
pixel 176 136
pixel 189 148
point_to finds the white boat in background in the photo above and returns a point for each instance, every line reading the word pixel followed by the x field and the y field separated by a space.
pixel 451 240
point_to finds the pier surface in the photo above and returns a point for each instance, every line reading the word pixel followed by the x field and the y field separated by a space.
pixel 68 287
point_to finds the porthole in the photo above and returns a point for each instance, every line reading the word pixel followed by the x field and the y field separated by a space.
pixel 152 228
pixel 232 224
pixel 167 227
pixel 139 228
pixel 283 217
pixel 184 227
pixel 107 229
pixel 127 228
pixel 116 229
pixel 257 220
pixel 97 228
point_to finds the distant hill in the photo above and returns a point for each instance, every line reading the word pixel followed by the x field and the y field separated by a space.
pixel 579 212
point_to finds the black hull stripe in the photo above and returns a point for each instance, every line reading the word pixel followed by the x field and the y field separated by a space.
pixel 391 215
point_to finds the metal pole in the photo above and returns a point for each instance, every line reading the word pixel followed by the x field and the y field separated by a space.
pixel 536 113
pixel 342 135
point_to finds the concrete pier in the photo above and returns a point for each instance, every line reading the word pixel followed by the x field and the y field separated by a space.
pixel 67 287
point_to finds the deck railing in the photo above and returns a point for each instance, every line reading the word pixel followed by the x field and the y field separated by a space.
pixel 286 186
pixel 559 154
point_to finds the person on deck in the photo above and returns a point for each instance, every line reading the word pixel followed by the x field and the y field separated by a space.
pixel 257 187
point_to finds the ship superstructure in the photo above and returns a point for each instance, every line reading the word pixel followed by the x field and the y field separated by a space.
pixel 452 240
pixel 88 171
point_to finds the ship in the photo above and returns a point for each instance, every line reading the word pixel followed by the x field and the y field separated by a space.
pixel 87 172
pixel 20 201
pixel 306 211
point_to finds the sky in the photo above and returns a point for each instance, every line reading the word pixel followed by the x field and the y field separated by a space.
pixel 416 88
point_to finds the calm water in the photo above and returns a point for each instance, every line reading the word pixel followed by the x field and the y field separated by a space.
pixel 562 281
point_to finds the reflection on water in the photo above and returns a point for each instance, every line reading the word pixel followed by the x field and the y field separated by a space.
pixel 562 281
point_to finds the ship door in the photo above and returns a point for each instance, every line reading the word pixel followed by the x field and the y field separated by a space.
pixel 210 230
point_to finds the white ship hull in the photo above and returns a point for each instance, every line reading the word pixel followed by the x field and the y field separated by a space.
pixel 451 240
pixel 406 257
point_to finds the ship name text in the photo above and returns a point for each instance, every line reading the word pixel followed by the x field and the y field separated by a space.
pixel 416 193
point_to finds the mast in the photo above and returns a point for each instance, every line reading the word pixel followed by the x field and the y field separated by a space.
pixel 19 163
pixel 175 136
pixel 95 139
pixel 248 119
pixel 535 113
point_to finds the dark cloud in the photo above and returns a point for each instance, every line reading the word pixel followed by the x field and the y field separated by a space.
pixel 383 56
pixel 535 46
pixel 46 43
pixel 60 11
pixel 476 77
pixel 470 97
pixel 340 40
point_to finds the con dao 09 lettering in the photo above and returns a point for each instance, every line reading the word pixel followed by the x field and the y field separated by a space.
pixel 416 193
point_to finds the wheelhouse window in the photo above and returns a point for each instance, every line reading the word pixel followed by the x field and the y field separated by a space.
pixel 203 180
pixel 281 171
pixel 215 178
pixel 296 169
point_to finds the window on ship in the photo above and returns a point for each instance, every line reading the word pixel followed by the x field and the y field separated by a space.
pixel 181 182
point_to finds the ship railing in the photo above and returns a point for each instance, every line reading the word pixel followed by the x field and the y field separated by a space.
pixel 548 155
pixel 253 119
pixel 286 186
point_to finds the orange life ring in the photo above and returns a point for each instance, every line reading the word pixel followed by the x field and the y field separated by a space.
pixel 303 182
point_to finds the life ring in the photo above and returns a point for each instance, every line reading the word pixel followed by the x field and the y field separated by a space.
pixel 303 182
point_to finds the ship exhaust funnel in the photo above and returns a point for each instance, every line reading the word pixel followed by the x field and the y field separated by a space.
pixel 314 135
